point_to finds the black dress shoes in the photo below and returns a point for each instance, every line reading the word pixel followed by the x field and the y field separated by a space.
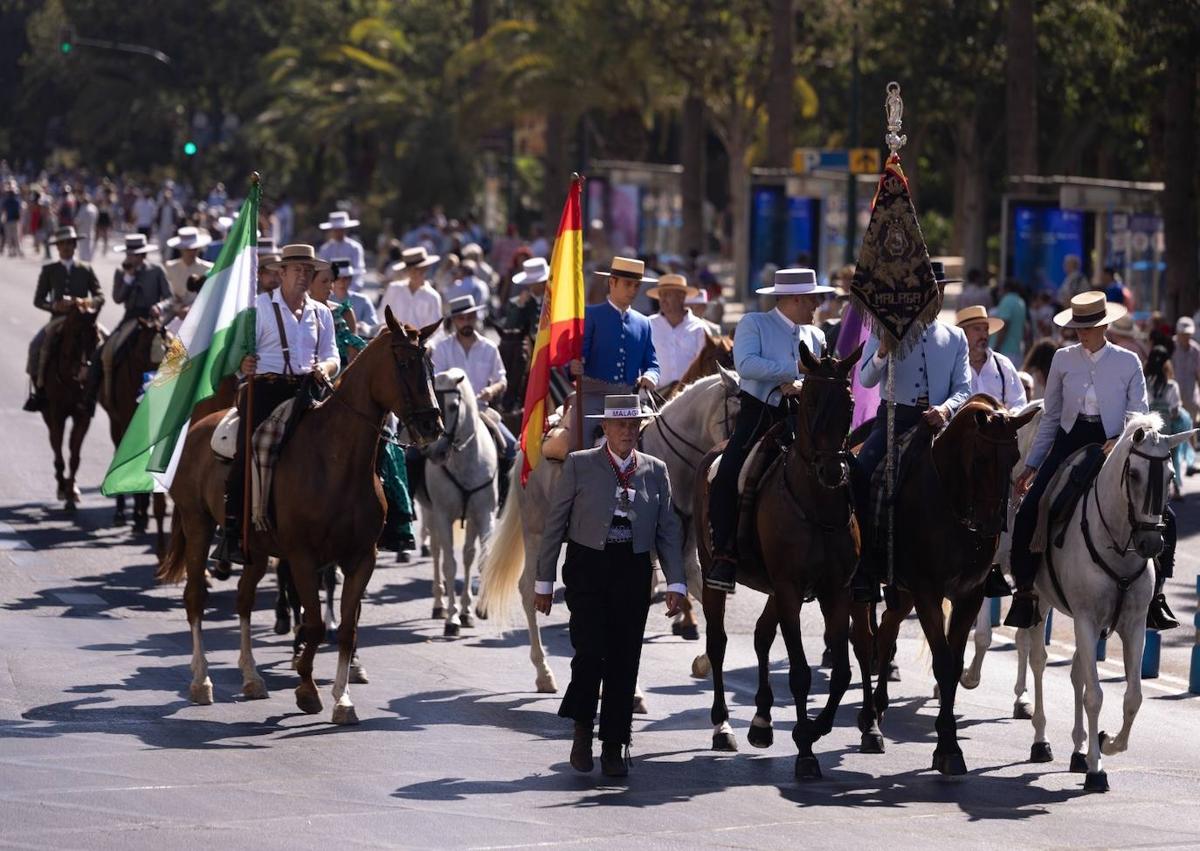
pixel 614 760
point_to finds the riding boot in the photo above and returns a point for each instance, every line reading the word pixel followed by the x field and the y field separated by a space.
pixel 1159 616
pixel 1023 613
pixel 996 585
pixel 36 401
pixel 229 548
pixel 722 575
pixel 614 759
pixel 581 748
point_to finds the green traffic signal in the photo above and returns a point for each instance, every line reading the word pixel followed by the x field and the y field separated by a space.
pixel 189 148
pixel 65 47
pixel 66 40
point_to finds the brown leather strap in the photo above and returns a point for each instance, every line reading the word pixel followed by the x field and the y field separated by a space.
pixel 283 340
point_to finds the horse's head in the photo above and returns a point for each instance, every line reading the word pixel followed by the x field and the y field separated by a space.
pixel 410 396
pixel 456 401
pixel 823 415
pixel 79 336
pixel 719 349
pixel 151 343
pixel 1144 457
pixel 974 459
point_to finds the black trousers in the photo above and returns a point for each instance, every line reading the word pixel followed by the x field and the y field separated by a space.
pixel 270 391
pixel 753 420
pixel 608 593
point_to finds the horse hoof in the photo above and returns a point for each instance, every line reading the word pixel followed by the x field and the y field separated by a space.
pixel 871 743
pixel 639 705
pixel 1079 763
pixel 439 613
pixel 201 694
pixel 118 517
pixel 69 507
pixel 1106 745
pixel 480 613
pixel 255 690
pixel 760 737
pixel 893 673
pixel 1096 781
pixel 358 675
pixel 701 667
pixel 344 715
pixel 949 764
pixel 969 682
pixel 467 620
pixel 450 630
pixel 724 742
pixel 1040 752
pixel 308 702
pixel 424 550
pixel 283 624
pixel 826 658
pixel 807 768
pixel 222 570
pixel 296 661
pixel 1022 711
pixel 546 684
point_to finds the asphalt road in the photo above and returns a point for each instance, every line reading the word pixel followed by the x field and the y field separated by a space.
pixel 100 748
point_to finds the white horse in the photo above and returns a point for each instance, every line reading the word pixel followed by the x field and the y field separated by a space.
pixel 460 482
pixel 1102 577
pixel 702 414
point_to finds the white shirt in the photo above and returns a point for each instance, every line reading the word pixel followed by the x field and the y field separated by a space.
pixel 545 587
pixel 998 378
pixel 346 249
pixel 1091 405
pixel 481 362
pixel 676 346
pixel 310 337
pixel 418 309
pixel 178 273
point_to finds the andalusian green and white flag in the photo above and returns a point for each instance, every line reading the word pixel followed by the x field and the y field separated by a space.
pixel 217 333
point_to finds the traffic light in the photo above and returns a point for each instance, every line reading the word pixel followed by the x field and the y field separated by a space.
pixel 66 40
pixel 189 148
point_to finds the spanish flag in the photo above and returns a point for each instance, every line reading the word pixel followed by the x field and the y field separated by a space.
pixel 560 330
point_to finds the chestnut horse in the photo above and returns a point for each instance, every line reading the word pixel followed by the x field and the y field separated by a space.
pixel 949 513
pixel 65 380
pixel 808 547
pixel 329 507
pixel 716 351
pixel 128 377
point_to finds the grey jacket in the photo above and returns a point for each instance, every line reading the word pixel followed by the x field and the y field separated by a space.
pixel 149 289
pixel 583 503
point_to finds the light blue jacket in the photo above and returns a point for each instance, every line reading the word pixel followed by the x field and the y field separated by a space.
pixel 942 350
pixel 1120 392
pixel 765 350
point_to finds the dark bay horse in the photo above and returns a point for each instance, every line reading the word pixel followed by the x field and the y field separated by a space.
pixel 142 354
pixel 807 544
pixel 72 349
pixel 716 352
pixel 949 513
pixel 329 507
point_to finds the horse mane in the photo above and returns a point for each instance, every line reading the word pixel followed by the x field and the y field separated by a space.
pixel 1149 421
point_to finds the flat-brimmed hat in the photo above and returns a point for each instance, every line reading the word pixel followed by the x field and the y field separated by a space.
pixel 795 282
pixel 415 258
pixel 269 259
pixel 338 220
pixel 462 305
pixel 1089 310
pixel 978 313
pixel 135 243
pixel 266 246
pixel 700 298
pixel 63 234
pixel 472 249
pixel 629 269
pixel 939 274
pixel 535 271
pixel 622 408
pixel 342 268
pixel 675 282
pixel 299 253
pixel 189 237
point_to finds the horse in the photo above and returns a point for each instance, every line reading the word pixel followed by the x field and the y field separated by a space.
pixel 510 566
pixel 949 511
pixel 329 508
pixel 460 483
pixel 1101 578
pixel 143 353
pixel 807 546
pixel 72 349
pixel 717 351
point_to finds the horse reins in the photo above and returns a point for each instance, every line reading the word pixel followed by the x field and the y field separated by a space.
pixel 406 395
pixel 450 435
pixel 840 456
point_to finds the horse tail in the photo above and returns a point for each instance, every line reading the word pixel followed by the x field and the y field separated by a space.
pixel 173 565
pixel 505 559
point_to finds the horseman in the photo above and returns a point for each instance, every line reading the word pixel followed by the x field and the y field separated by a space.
pixel 618 347
pixel 519 326
pixel 413 302
pixel 363 308
pixel 59 285
pixel 1092 389
pixel 339 246
pixel 678 334
pixel 142 287
pixel 613 506
pixel 293 334
pixel 766 354
pixel 189 241
pixel 933 379
pixel 479 358
pixel 991 372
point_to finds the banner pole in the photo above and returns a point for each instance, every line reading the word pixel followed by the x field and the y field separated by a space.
pixel 890 468
pixel 247 490
pixel 579 410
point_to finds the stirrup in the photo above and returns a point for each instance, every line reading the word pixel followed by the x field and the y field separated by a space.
pixel 1023 612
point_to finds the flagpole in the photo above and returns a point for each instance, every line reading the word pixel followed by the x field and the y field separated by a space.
pixel 576 177
pixel 247 479
pixel 893 107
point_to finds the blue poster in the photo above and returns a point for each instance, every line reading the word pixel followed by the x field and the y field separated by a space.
pixel 767 206
pixel 802 221
pixel 1042 238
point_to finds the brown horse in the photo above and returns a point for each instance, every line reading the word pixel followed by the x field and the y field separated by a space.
pixel 65 380
pixel 949 512
pixel 142 354
pixel 807 546
pixel 716 351
pixel 329 507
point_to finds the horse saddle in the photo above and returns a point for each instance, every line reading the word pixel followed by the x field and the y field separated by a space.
pixel 225 435
pixel 911 447
pixel 1061 497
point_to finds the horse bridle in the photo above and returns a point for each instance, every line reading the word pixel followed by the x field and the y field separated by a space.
pixel 451 434
pixel 407 397
pixel 841 456
pixel 1153 502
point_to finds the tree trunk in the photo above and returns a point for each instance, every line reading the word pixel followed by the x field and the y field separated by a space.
pixel 1021 93
pixel 692 146
pixel 970 205
pixel 1179 165
pixel 737 147
pixel 780 85
pixel 555 175
pixel 481 17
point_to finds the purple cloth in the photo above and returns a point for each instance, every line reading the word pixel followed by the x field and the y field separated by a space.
pixel 853 332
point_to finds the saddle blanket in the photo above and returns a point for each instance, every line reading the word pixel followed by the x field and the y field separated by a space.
pixel 1083 466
